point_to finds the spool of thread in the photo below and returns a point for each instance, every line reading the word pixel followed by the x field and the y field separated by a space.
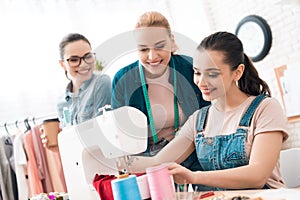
pixel 125 188
pixel 161 183
pixel 142 182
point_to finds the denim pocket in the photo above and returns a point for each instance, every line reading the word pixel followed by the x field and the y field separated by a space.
pixel 233 153
pixel 221 152
pixel 205 147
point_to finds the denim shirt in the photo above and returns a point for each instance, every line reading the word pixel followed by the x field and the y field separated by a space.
pixel 93 94
pixel 127 87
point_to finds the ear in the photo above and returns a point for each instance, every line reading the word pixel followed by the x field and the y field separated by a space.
pixel 238 73
pixel 62 64
pixel 174 46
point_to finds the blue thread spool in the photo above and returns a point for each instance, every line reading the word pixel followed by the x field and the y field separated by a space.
pixel 126 188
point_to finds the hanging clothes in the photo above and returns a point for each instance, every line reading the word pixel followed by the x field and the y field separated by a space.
pixel 50 128
pixel 27 167
pixel 8 182
pixel 41 160
pixel 34 182
pixel 21 165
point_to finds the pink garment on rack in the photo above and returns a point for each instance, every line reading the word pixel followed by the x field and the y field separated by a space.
pixel 55 169
pixel 41 160
pixel 34 182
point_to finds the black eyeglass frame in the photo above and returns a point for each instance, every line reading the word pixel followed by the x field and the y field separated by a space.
pixel 81 58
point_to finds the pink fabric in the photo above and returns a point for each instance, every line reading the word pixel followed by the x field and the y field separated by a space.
pixel 34 182
pixel 161 96
pixel 55 169
pixel 41 161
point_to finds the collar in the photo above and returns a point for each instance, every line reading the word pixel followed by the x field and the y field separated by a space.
pixel 84 86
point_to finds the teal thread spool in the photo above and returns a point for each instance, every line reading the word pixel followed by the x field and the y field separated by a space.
pixel 126 188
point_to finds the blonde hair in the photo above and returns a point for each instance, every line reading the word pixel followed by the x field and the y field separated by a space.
pixel 153 19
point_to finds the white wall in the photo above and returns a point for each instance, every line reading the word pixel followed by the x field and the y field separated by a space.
pixel 284 18
pixel 31 79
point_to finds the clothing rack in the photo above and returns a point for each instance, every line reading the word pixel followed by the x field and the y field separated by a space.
pixel 27 120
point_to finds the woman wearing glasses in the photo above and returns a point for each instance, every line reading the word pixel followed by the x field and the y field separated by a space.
pixel 87 91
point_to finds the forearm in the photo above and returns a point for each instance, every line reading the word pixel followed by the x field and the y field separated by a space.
pixel 176 151
pixel 236 178
pixel 253 175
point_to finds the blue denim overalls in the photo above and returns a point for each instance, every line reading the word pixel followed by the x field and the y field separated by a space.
pixel 223 151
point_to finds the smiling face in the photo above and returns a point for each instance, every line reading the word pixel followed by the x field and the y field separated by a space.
pixel 214 78
pixel 154 46
pixel 82 72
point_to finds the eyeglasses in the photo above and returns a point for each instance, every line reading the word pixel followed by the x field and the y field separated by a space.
pixel 75 61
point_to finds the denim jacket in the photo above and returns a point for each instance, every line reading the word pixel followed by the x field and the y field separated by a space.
pixel 93 94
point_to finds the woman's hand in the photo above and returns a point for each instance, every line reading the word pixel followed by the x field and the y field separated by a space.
pixel 181 174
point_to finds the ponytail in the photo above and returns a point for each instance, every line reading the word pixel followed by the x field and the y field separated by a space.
pixel 250 82
pixel 232 48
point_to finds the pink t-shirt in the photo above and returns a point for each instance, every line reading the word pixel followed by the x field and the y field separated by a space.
pixel 161 95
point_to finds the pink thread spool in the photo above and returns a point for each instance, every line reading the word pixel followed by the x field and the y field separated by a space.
pixel 142 182
pixel 161 183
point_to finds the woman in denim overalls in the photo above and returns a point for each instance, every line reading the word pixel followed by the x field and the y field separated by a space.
pixel 238 137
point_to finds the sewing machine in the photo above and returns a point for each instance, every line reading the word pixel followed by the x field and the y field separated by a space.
pixel 96 145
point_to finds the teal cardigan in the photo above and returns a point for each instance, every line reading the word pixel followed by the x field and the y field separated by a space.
pixel 127 87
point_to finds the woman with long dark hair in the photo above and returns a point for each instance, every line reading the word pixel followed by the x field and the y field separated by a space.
pixel 238 137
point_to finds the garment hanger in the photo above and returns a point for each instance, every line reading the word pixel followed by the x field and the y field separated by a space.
pixel 16 123
pixel 27 125
pixel 33 120
pixel 7 139
pixel 5 126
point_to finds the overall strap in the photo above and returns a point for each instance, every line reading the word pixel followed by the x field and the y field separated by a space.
pixel 201 118
pixel 246 119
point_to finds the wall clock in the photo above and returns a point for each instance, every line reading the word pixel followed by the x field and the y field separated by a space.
pixel 256 36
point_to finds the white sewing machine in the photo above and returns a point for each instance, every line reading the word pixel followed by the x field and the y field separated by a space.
pixel 95 145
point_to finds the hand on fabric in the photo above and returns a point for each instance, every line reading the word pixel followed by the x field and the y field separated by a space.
pixel 181 174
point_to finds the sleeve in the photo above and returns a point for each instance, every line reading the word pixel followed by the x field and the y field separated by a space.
pixel 176 151
pixel 270 117
pixel 188 130
pixel 117 97
pixel 59 109
pixel 102 93
pixel 19 151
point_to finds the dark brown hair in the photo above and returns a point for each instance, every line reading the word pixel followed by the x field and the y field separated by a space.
pixel 234 55
pixel 72 37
